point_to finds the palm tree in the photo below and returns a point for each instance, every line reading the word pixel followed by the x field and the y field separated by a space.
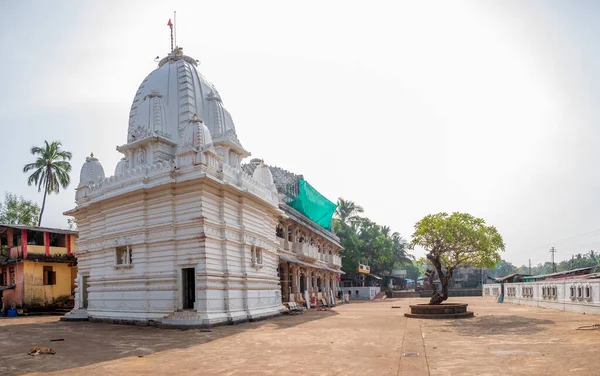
pixel 50 170
pixel 347 211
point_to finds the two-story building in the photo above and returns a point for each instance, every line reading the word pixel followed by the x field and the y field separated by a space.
pixel 309 251
pixel 37 266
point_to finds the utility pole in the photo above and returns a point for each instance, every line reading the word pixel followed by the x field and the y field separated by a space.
pixel 529 266
pixel 553 251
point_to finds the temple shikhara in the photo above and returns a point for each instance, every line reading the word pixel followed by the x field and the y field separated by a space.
pixel 185 233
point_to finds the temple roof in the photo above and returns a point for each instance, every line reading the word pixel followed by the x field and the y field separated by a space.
pixel 174 94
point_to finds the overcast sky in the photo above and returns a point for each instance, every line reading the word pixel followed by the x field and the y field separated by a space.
pixel 406 108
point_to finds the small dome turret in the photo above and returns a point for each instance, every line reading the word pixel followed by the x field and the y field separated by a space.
pixel 263 175
pixel 91 172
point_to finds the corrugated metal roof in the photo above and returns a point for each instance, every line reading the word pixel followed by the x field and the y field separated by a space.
pixel 3 227
pixel 566 272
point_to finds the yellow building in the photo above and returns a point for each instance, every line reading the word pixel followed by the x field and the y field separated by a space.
pixel 38 267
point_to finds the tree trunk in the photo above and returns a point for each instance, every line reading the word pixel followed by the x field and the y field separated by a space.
pixel 439 297
pixel 43 204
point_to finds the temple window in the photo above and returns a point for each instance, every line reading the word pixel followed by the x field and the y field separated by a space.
pixel 257 256
pixel 279 231
pixel 11 273
pixel 123 256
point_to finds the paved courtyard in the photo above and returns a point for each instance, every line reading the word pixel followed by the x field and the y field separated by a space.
pixel 355 339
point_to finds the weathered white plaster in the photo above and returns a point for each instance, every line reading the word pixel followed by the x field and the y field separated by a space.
pixel 177 203
pixel 551 294
pixel 179 199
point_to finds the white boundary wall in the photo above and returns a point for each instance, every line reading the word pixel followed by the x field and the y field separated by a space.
pixel 573 295
pixel 364 293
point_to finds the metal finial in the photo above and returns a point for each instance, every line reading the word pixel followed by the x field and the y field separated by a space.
pixel 91 155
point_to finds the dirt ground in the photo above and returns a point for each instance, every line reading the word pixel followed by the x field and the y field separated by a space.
pixel 359 338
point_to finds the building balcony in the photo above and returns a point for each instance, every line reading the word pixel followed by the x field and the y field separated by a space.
pixel 305 251
pixel 335 261
pixel 283 244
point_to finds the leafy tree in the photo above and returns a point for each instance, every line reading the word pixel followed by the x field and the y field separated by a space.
pixel 50 170
pixel 412 271
pixel 456 240
pixel 72 223
pixel 503 268
pixel 18 211
pixel 366 242
pixel 347 212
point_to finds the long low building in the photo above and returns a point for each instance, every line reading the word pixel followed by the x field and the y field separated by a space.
pixel 577 293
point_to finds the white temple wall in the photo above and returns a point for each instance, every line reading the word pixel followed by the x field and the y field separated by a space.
pixel 584 298
pixel 192 225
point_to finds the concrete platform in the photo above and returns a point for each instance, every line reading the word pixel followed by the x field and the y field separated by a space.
pixel 354 339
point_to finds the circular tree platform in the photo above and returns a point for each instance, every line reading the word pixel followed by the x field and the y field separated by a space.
pixel 440 311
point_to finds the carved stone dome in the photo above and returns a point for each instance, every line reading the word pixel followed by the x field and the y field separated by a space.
pixel 91 172
pixel 173 95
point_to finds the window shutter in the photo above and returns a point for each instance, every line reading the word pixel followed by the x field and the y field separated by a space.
pixel 46 277
pixel 53 279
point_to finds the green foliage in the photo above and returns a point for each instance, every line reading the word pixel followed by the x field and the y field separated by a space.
pixel 50 170
pixel 577 261
pixel 502 269
pixel 456 240
pixel 412 271
pixel 18 211
pixel 72 223
pixel 366 242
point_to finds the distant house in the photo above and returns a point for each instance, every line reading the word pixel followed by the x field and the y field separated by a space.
pixel 37 266
pixel 511 278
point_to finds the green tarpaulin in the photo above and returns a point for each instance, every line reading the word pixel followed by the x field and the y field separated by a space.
pixel 313 205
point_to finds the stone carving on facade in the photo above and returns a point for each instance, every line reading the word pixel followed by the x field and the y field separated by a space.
pixel 138 132
pixel 140 157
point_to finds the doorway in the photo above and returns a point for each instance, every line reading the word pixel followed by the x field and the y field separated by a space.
pixel 84 291
pixel 302 283
pixel 188 281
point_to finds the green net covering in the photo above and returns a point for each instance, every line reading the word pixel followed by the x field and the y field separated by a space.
pixel 313 204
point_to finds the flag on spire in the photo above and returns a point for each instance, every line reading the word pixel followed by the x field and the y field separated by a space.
pixel 170 24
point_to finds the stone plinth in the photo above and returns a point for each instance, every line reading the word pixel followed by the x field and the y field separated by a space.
pixel 440 311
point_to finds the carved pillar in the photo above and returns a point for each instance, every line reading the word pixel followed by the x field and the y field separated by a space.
pixel 294 281
pixel 286 282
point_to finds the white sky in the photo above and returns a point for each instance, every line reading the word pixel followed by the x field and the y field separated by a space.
pixel 406 108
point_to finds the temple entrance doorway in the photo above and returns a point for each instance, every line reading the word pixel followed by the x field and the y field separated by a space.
pixel 188 282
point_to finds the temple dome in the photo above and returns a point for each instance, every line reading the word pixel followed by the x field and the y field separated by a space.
pixel 263 175
pixel 171 96
pixel 91 172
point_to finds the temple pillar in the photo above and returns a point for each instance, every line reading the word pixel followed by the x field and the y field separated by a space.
pixel 286 282
pixel 294 281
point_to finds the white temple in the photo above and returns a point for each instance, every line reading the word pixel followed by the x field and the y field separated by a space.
pixel 183 233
